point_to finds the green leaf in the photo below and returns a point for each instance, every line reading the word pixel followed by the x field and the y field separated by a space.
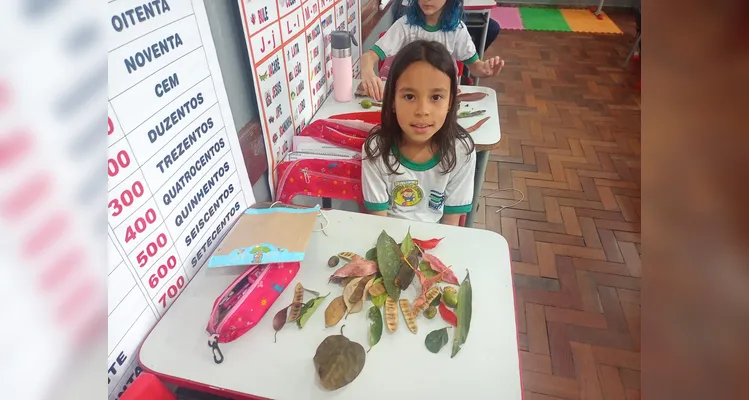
pixel 435 340
pixel 426 270
pixel 371 254
pixel 407 246
pixel 379 300
pixel 375 326
pixel 464 314
pixel 308 309
pixel 388 260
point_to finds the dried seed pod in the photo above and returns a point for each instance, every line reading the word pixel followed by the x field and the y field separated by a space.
pixel 409 315
pixel 377 288
pixel 296 305
pixel 348 255
pixel 333 261
pixel 391 314
pixel 425 300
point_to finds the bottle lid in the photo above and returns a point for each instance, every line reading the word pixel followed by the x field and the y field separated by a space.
pixel 341 40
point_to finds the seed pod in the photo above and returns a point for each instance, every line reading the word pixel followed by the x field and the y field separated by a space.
pixel 450 297
pixel 347 255
pixel 391 314
pixel 333 261
pixel 409 315
pixel 296 305
pixel 421 303
pixel 430 312
pixel 377 288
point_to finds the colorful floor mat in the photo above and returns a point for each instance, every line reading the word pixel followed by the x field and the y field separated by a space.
pixel 552 19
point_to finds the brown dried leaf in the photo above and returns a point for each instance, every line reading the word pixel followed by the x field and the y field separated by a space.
pixel 409 315
pixel 391 314
pixel 338 361
pixel 279 320
pixel 348 291
pixel 335 311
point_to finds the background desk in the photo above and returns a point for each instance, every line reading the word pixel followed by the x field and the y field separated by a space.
pixel 486 137
pixel 396 368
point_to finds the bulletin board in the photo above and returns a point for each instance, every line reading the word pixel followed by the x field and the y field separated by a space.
pixel 288 42
pixel 176 176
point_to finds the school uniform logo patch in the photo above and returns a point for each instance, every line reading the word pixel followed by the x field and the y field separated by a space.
pixel 407 193
pixel 436 200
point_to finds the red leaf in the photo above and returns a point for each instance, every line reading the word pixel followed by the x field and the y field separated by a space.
pixel 438 266
pixel 356 267
pixel 448 315
pixel 427 244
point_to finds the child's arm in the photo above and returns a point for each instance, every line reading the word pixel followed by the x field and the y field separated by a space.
pixel 485 69
pixel 386 46
pixel 374 187
pixel 451 219
pixel 459 190
pixel 465 51
pixel 370 82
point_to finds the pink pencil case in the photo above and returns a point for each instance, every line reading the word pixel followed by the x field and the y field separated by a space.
pixel 244 303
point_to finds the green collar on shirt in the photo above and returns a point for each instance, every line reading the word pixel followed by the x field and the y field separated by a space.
pixel 414 166
pixel 430 28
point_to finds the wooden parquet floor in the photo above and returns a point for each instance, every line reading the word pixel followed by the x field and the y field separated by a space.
pixel 570 118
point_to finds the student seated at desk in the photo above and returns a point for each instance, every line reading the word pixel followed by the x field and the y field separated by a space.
pixel 492 30
pixel 419 164
pixel 437 20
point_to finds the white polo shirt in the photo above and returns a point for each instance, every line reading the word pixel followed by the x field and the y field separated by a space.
pixel 458 42
pixel 419 191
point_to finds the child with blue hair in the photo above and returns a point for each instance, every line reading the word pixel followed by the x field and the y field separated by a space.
pixel 431 20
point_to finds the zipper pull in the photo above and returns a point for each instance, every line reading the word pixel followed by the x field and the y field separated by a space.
pixel 306 175
pixel 213 344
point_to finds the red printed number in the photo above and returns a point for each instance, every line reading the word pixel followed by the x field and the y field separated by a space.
pixel 161 272
pixel 122 160
pixel 151 250
pixel 172 291
pixel 111 126
pixel 140 225
pixel 126 197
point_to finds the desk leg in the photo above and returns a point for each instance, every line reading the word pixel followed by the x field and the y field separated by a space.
pixel 482 159
pixel 482 44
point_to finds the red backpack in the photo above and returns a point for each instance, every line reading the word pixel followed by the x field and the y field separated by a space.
pixel 334 179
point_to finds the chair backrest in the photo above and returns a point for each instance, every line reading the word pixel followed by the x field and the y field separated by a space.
pixel 381 63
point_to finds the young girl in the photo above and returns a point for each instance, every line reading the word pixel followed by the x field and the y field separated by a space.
pixel 437 20
pixel 419 163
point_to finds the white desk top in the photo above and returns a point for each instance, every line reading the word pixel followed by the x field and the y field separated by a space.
pixel 398 367
pixel 487 135
pixel 470 5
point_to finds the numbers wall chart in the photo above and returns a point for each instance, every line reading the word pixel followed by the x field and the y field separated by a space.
pixel 288 42
pixel 176 177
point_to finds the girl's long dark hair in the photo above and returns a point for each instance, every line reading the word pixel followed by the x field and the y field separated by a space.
pixel 388 134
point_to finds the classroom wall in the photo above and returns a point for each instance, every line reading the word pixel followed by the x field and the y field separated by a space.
pixel 231 49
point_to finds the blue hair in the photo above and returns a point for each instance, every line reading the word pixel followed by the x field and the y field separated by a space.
pixel 450 19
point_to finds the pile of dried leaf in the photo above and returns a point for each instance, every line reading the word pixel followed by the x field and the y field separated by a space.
pixel 386 270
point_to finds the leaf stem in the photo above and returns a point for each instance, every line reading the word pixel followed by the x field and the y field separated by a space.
pixel 342 329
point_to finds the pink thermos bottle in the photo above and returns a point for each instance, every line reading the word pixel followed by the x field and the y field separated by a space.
pixel 343 71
